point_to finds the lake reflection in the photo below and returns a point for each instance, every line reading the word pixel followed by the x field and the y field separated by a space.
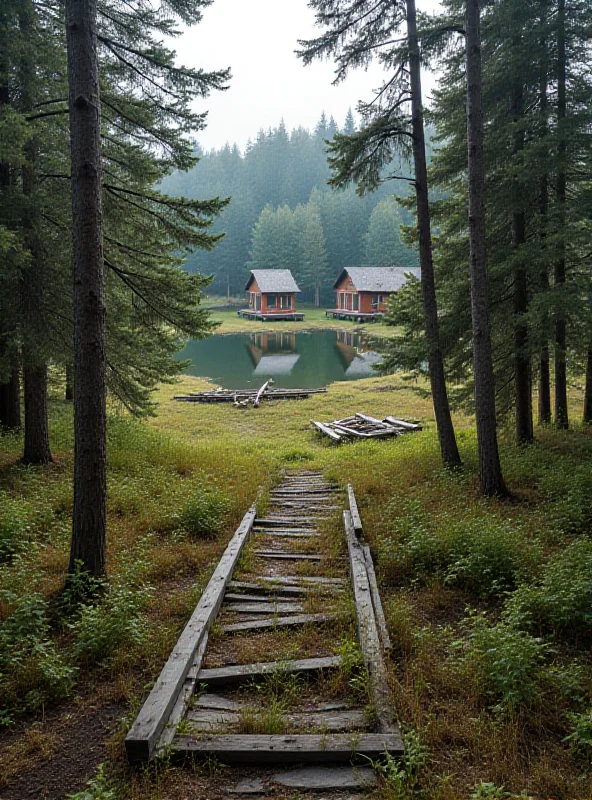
pixel 308 359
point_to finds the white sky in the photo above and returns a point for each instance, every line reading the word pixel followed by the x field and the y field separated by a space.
pixel 257 39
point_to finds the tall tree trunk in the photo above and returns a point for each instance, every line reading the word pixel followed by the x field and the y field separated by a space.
pixel 490 473
pixel 588 390
pixel 69 394
pixel 522 371
pixel 37 449
pixel 544 416
pixel 448 446
pixel 36 445
pixel 90 462
pixel 10 402
pixel 561 413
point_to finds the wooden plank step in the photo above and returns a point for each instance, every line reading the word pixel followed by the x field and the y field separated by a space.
pixel 240 673
pixel 276 588
pixel 283 556
pixel 288 534
pixel 297 580
pixel 308 491
pixel 292 748
pixel 264 607
pixel 278 622
pixel 213 719
pixel 256 598
pixel 280 522
pixel 221 703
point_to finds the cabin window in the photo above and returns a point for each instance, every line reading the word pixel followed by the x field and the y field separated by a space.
pixel 356 302
pixel 286 301
pixel 271 301
pixel 376 300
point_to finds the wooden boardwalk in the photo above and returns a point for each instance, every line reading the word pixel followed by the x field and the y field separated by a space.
pixel 257 676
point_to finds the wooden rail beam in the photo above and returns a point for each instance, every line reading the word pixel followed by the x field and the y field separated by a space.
pixel 142 739
pixel 368 632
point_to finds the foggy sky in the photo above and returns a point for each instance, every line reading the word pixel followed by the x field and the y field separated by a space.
pixel 257 39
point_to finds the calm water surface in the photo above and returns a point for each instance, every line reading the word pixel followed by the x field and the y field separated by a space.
pixel 294 360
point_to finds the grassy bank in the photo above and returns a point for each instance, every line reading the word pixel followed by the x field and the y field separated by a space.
pixel 314 318
pixel 488 603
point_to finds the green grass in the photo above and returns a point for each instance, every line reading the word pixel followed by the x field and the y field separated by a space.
pixel 487 602
pixel 314 317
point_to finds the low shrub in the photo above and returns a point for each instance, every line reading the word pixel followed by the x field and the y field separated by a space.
pixel 482 554
pixel 202 517
pixel 14 527
pixel 504 662
pixel 32 670
pixel 561 600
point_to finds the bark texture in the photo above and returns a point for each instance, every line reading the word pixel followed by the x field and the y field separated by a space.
pixel 69 394
pixel 448 446
pixel 588 390
pixel 90 473
pixel 544 411
pixel 36 449
pixel 490 473
pixel 561 413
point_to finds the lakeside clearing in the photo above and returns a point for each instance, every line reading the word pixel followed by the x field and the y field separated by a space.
pixel 314 318
pixel 178 485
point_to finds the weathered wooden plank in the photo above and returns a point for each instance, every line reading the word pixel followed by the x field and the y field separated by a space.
pixel 376 601
pixel 278 622
pixel 285 522
pixel 373 420
pixel 170 729
pixel 326 430
pixel 264 607
pixel 277 588
pixel 368 632
pixel 216 701
pixel 143 736
pixel 286 556
pixel 306 748
pixel 304 490
pixel 240 673
pixel 353 508
pixel 213 719
pixel 297 580
pixel 235 597
pixel 288 534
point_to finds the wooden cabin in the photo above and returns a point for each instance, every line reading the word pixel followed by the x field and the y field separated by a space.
pixel 363 292
pixel 272 295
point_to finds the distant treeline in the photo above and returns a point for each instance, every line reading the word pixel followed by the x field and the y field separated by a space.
pixel 284 215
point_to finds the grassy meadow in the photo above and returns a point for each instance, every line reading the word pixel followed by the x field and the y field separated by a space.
pixel 488 603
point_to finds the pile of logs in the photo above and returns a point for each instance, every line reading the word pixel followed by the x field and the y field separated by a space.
pixel 361 426
pixel 245 397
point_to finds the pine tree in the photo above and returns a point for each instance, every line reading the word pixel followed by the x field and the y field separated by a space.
pixel 355 32
pixel 383 245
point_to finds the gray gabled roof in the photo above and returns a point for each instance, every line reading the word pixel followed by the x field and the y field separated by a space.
pixel 378 279
pixel 273 280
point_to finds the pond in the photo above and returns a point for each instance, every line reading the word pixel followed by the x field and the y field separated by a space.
pixel 294 360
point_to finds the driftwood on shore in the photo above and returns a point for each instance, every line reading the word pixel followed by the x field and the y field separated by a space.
pixel 362 426
pixel 244 397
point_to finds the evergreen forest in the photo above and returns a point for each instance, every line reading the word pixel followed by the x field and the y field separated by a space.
pixel 283 214
pixel 201 587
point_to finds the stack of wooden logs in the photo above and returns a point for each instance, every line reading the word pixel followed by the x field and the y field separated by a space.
pixel 361 426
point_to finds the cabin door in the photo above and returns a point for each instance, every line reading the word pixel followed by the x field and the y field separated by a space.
pixel 257 302
pixel 356 302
